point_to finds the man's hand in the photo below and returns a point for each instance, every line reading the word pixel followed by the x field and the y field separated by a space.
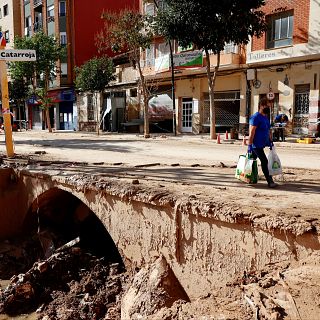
pixel 271 144
pixel 250 148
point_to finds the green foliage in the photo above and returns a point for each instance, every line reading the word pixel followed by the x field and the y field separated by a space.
pixel 94 75
pixel 48 53
pixel 46 101
pixel 209 25
pixel 18 90
pixel 125 31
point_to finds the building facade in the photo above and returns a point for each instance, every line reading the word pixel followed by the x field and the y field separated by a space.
pixel 10 20
pixel 105 110
pixel 75 24
pixel 53 18
pixel 282 65
pixel 286 62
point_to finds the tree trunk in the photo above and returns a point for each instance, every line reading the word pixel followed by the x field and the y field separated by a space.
pixel 98 118
pixel 46 83
pixel 48 119
pixel 145 101
pixel 211 85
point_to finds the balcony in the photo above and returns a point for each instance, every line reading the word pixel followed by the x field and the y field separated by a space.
pixel 37 3
pixel 226 59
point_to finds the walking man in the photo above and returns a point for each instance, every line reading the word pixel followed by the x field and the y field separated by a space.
pixel 260 137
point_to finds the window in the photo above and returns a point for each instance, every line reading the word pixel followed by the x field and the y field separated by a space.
pixel 5 10
pixel 62 8
pixel 90 109
pixel 279 31
pixel 27 29
pixel 133 93
pixel 50 14
pixel 149 9
pixel 150 56
pixel 6 36
pixel 230 48
pixel 63 38
pixel 163 49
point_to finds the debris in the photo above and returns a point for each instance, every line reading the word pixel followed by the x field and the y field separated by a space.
pixel 153 288
pixel 222 165
pixel 40 152
pixel 147 165
pixel 69 244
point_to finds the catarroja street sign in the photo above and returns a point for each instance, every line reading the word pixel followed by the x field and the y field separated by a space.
pixel 18 55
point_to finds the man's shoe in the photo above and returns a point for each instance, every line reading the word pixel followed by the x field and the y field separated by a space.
pixel 272 185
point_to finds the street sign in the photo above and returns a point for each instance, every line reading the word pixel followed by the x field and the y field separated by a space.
pixel 270 95
pixel 10 55
pixel 18 55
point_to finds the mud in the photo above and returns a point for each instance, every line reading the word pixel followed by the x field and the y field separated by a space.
pixel 218 230
pixel 71 284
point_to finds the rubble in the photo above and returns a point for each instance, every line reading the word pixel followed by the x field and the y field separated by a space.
pixel 70 284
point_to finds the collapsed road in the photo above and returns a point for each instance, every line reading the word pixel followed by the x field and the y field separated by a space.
pixel 207 247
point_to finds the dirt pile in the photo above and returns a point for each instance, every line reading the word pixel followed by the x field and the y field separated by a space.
pixel 69 285
pixel 153 288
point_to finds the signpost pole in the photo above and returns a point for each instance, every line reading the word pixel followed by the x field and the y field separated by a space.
pixel 5 104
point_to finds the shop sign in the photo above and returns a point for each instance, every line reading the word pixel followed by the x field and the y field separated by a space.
pixel 190 59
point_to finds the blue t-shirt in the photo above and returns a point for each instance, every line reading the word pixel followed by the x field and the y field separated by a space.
pixel 262 134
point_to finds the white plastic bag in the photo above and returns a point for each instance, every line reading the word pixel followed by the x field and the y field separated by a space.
pixel 274 163
pixel 247 169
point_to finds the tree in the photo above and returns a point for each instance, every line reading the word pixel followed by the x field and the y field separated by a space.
pixel 38 73
pixel 129 31
pixel 18 93
pixel 94 75
pixel 209 25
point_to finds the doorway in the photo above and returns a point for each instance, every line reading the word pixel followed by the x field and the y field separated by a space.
pixel 186 112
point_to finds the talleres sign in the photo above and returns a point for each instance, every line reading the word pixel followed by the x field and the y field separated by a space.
pixel 18 55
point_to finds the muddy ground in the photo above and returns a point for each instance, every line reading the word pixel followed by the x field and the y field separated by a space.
pixel 74 284
pixel 70 284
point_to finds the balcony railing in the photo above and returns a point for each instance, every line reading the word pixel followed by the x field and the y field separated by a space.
pixel 37 3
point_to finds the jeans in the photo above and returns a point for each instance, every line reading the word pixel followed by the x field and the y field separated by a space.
pixel 259 153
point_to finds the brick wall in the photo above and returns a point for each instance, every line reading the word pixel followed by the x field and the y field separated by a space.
pixel 301 9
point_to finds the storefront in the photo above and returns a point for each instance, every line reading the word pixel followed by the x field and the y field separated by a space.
pixel 62 112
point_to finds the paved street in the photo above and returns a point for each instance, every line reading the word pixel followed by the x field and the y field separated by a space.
pixel 133 149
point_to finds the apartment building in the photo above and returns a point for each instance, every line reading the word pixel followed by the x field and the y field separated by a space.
pixel 74 23
pixel 191 85
pixel 282 65
pixel 53 18
pixel 285 63
pixel 10 20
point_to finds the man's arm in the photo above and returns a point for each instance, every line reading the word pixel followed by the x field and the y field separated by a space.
pixel 252 131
